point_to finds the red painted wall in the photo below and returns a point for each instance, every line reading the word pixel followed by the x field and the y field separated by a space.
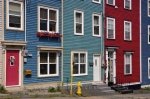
pixel 120 14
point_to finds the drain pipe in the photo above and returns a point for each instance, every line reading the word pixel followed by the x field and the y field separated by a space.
pixel 25 21
pixel 62 55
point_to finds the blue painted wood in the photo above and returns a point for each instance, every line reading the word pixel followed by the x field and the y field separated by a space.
pixel 145 21
pixel 34 41
pixel 92 45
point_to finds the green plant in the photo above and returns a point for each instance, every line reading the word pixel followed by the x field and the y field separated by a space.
pixel 2 89
pixel 51 89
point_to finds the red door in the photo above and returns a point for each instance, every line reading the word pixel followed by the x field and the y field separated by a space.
pixel 12 67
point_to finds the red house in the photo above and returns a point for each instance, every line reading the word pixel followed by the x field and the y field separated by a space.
pixel 122 41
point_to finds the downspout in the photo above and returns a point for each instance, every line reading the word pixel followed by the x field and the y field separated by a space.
pixel 25 21
pixel 102 37
pixel 62 55
pixel 140 41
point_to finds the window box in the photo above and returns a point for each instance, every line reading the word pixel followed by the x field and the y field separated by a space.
pixel 47 34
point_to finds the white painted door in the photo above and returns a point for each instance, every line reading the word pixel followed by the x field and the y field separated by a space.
pixel 96 68
pixel 111 69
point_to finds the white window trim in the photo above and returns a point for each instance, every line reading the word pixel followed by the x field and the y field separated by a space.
pixel 125 63
pixel 130 5
pixel 99 2
pixel 57 22
pixel 75 22
pixel 111 4
pixel 148 6
pixel 148 68
pixel 148 34
pixel 114 27
pixel 100 24
pixel 22 15
pixel 86 73
pixel 130 30
pixel 57 66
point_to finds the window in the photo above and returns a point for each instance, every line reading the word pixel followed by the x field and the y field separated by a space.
pixel 111 2
pixel 97 25
pixel 148 7
pixel 48 64
pixel 110 28
pixel 148 34
pixel 48 20
pixel 78 23
pixel 79 63
pixel 149 68
pixel 127 4
pixel 15 15
pixel 128 63
pixel 96 1
pixel 127 30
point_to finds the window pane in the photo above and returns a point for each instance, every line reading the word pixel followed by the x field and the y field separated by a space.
pixel 52 57
pixel 127 58
pixel 82 58
pixel 110 1
pixel 43 57
pixel 149 68
pixel 14 21
pixel 43 13
pixel 127 4
pixel 14 8
pixel 52 69
pixel 43 25
pixel 127 68
pixel 127 35
pixel 78 17
pixel 110 33
pixel 43 69
pixel 96 30
pixel 78 28
pixel 76 59
pixel 96 0
pixel 75 69
pixel 96 20
pixel 52 15
pixel 82 68
pixel 52 26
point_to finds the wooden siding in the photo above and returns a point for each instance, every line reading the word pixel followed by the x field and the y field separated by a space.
pixel 120 14
pixel 1 20
pixel 87 42
pixel 34 41
pixel 145 21
pixel 1 38
pixel 12 34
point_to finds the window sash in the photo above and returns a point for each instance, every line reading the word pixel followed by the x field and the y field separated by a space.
pixel 128 63
pixel 127 31
pixel 148 34
pixel 96 25
pixel 96 1
pixel 48 22
pixel 111 2
pixel 78 22
pixel 49 62
pixel 15 15
pixel 127 4
pixel 149 68
pixel 80 63
pixel 110 28
pixel 148 7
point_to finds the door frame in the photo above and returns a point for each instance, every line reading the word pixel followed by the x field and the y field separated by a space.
pixel 20 68
pixel 100 69
pixel 114 65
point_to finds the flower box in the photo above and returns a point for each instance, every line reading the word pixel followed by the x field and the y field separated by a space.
pixel 47 34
